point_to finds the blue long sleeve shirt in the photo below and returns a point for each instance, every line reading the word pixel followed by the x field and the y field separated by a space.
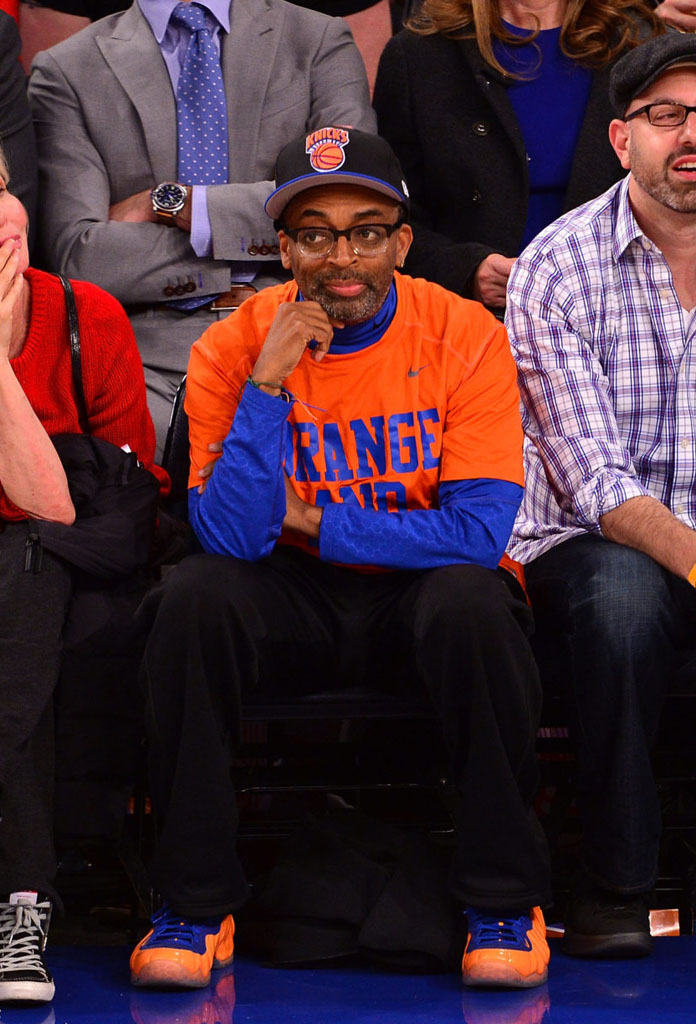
pixel 242 509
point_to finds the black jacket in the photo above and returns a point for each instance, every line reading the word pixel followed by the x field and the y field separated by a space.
pixel 449 118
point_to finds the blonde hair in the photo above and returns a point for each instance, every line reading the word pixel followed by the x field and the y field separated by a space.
pixel 593 32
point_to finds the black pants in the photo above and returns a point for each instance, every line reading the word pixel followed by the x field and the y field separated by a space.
pixel 224 629
pixel 33 608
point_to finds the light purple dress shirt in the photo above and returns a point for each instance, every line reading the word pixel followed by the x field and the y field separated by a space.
pixel 173 40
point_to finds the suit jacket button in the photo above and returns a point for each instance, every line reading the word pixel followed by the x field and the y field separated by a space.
pixel 253 250
pixel 476 196
pixel 168 291
pixel 480 128
pixel 264 249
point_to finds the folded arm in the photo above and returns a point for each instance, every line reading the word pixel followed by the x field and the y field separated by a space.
pixel 133 261
pixel 245 506
pixel 472 525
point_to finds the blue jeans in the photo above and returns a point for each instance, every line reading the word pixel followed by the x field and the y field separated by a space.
pixel 610 622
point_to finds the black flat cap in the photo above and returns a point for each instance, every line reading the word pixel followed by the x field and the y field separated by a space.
pixel 640 67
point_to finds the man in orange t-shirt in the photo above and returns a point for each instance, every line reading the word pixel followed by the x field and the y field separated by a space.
pixel 358 421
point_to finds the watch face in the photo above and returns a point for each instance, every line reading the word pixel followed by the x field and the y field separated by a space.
pixel 169 196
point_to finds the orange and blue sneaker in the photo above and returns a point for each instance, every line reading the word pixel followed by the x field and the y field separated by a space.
pixel 180 951
pixel 506 952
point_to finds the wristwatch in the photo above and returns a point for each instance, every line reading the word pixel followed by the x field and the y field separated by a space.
pixel 168 199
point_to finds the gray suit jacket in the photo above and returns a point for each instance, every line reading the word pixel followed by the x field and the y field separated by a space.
pixel 105 117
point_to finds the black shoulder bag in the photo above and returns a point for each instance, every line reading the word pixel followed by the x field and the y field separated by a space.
pixel 115 498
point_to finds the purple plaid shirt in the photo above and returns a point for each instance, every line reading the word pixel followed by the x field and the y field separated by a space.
pixel 607 370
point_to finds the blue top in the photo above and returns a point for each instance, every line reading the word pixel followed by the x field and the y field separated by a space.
pixel 550 106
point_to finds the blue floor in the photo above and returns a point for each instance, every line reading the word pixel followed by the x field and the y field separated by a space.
pixel 92 986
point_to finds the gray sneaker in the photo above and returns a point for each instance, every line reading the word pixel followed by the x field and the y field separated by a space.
pixel 23 933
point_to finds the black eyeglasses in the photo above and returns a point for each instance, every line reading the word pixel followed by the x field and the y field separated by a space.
pixel 364 239
pixel 663 115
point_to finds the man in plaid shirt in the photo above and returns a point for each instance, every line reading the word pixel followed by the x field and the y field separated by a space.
pixel 601 314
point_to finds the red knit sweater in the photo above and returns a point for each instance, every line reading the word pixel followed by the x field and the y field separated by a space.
pixel 112 373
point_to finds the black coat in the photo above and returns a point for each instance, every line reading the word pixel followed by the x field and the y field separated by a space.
pixel 449 118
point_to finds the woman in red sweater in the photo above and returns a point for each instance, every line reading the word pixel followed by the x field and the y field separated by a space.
pixel 36 402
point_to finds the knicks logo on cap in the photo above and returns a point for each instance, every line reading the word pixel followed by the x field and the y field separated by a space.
pixel 325 148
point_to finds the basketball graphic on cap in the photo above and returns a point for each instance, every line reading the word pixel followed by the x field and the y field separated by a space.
pixel 327 156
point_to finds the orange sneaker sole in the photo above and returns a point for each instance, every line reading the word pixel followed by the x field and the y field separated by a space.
pixel 501 975
pixel 169 973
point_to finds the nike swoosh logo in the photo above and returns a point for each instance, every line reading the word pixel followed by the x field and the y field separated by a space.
pixel 414 373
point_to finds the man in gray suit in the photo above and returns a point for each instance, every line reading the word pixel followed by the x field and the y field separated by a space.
pixel 105 111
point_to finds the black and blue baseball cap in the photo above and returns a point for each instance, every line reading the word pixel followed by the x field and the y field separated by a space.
pixel 336 156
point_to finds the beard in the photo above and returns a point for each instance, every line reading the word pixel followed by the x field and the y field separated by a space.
pixel 675 195
pixel 348 310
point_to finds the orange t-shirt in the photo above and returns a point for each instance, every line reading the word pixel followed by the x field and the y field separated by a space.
pixel 435 399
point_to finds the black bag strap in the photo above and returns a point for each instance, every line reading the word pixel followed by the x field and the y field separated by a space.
pixel 75 352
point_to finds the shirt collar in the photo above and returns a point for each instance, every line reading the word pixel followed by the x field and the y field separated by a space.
pixel 158 12
pixel 626 229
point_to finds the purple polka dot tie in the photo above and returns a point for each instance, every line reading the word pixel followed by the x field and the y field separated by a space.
pixel 201 114
pixel 201 105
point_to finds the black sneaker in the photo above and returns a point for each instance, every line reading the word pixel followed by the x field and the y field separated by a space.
pixel 600 923
pixel 23 933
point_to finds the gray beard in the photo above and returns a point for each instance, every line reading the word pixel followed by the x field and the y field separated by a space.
pixel 679 196
pixel 349 311
pixel 673 199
